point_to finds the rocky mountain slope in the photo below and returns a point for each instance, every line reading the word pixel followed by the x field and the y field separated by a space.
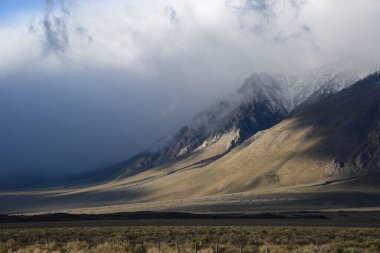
pixel 261 102
pixel 335 139
pixel 324 154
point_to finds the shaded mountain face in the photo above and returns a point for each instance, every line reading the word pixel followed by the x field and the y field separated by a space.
pixel 348 128
pixel 261 102
pixel 322 153
pixel 334 139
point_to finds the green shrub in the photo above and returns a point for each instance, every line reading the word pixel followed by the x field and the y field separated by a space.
pixel 3 248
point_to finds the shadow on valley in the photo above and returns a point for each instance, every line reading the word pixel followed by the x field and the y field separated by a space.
pixel 314 219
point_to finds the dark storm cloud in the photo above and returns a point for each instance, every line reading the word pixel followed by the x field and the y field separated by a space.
pixel 260 13
pixel 262 7
pixel 56 37
pixel 83 33
pixel 304 31
pixel 57 125
pixel 297 5
pixel 172 14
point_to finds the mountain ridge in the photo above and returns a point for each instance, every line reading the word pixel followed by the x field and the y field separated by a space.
pixel 260 103
pixel 324 156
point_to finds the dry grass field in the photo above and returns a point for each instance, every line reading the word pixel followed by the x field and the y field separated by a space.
pixel 183 238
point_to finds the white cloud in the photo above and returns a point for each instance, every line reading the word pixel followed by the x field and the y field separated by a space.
pixel 198 38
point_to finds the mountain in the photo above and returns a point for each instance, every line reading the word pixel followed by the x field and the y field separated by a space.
pixel 335 139
pixel 261 102
pixel 324 155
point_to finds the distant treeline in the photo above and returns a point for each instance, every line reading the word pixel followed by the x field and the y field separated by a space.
pixel 149 215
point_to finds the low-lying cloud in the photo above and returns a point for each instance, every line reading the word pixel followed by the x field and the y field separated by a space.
pixel 87 83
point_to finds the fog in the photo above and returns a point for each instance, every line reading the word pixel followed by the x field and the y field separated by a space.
pixel 88 83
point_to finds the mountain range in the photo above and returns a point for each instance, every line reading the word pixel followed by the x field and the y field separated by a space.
pixel 300 142
pixel 261 102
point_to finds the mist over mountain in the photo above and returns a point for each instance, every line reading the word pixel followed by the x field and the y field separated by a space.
pixel 323 155
pixel 260 103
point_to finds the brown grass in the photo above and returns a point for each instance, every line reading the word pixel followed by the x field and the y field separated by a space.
pixel 164 238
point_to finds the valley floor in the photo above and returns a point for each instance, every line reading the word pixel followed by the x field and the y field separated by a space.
pixel 351 194
pixel 345 218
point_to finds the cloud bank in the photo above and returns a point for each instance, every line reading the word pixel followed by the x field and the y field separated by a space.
pixel 90 82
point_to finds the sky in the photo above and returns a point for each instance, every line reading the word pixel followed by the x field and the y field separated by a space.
pixel 8 8
pixel 88 83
